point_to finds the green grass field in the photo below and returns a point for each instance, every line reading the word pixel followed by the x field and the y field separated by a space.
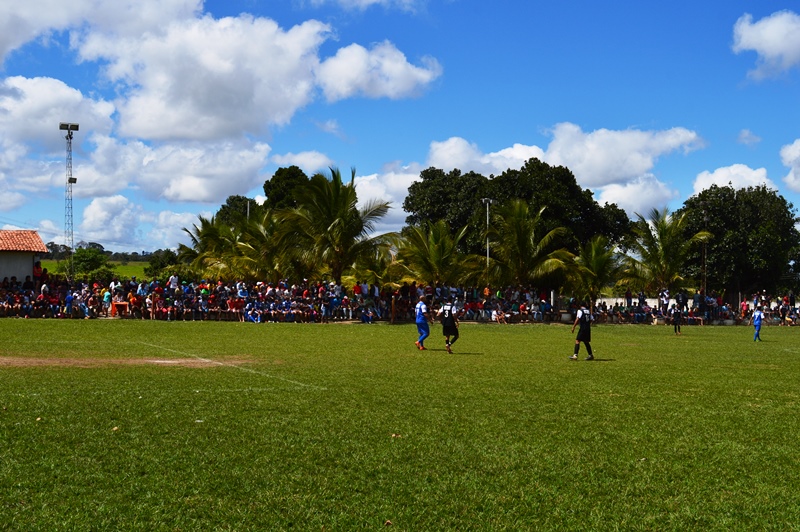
pixel 129 425
pixel 123 271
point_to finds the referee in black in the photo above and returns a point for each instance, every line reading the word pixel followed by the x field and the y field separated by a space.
pixel 583 320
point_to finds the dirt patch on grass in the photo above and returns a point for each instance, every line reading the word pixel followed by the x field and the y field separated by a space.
pixel 31 362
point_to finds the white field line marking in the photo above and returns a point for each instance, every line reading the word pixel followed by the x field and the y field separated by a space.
pixel 248 370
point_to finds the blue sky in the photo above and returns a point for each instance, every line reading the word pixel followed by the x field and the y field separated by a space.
pixel 182 103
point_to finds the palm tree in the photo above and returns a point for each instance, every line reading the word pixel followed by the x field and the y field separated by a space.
pixel 660 251
pixel 430 254
pixel 520 256
pixel 214 249
pixel 328 227
pixel 596 268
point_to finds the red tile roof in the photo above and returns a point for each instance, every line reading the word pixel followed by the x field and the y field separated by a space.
pixel 22 240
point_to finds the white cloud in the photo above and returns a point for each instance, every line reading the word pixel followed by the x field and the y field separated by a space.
pixel 638 195
pixel 790 156
pixel 604 156
pixel 456 152
pixel 361 5
pixel 776 40
pixel 51 231
pixel 207 78
pixel 381 72
pixel 167 230
pixel 736 175
pixel 38 18
pixel 748 138
pixel 207 173
pixel 114 219
pixel 309 162
pixel 32 108
pixel 10 201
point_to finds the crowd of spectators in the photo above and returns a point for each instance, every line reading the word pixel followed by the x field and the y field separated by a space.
pixel 322 302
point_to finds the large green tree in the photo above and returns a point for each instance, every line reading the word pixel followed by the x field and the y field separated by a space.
pixel 755 241
pixel 453 197
pixel 282 187
pixel 568 204
pixel 238 208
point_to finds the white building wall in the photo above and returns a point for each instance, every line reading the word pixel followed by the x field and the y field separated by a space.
pixel 16 263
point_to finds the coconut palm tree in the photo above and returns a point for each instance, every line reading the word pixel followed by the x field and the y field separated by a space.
pixel 659 252
pixel 596 267
pixel 214 249
pixel 429 252
pixel 522 255
pixel 327 226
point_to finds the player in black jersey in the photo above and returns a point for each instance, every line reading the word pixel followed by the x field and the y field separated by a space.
pixel 583 320
pixel 449 317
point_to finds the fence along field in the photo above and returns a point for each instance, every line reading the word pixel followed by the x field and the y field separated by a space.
pixel 129 425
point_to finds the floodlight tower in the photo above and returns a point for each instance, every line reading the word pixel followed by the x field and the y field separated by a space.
pixel 70 242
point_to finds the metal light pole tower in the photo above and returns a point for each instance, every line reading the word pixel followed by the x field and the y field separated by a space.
pixel 487 201
pixel 68 237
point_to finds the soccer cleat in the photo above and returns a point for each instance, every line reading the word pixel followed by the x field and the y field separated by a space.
pixel 423 348
pixel 574 357
pixel 590 357
pixel 417 344
pixel 449 350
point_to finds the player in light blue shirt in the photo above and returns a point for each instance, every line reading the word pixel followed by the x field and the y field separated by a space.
pixel 422 319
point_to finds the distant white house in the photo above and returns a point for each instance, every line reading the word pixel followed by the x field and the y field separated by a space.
pixel 19 250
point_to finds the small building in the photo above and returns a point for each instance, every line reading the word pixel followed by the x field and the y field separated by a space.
pixel 19 250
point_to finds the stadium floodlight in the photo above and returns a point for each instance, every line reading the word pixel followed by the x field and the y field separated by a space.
pixel 68 236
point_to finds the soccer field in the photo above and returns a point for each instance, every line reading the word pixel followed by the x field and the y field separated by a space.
pixel 130 425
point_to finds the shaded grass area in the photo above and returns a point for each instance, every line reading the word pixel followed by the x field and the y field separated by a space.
pixel 348 426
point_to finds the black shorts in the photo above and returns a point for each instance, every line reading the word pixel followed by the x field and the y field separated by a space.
pixel 584 335
pixel 451 330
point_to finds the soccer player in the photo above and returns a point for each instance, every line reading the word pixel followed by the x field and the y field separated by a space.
pixel 422 319
pixel 583 318
pixel 448 313
pixel 675 315
pixel 756 320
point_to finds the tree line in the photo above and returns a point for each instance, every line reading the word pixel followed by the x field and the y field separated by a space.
pixel 543 230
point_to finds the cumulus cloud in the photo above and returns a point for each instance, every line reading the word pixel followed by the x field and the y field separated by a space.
pixel 456 152
pixel 32 108
pixel 309 162
pixel 748 138
pixel 390 185
pixel 790 156
pixel 38 18
pixel 10 201
pixel 167 230
pixel 638 195
pixel 113 219
pixel 207 78
pixel 736 175
pixel 361 5
pixel 605 157
pixel 776 40
pixel 207 173
pixel 382 71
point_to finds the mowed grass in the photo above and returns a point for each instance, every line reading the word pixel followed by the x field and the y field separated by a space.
pixel 129 425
